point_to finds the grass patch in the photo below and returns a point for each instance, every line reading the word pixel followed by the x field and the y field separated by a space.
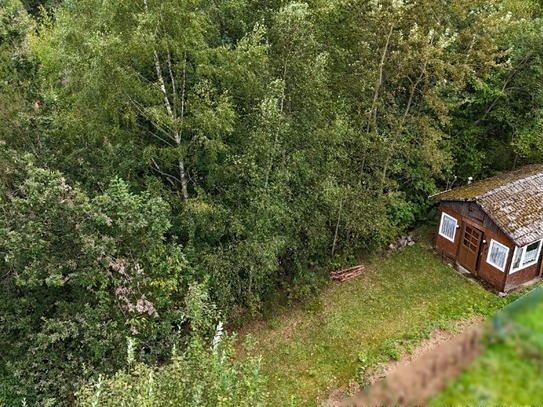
pixel 398 301
pixel 508 372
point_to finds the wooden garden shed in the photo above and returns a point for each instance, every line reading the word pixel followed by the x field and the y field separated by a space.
pixel 494 227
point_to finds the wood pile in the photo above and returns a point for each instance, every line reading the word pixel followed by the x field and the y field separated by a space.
pixel 347 274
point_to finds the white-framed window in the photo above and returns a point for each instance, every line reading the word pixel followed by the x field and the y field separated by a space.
pixel 526 256
pixel 497 255
pixel 447 229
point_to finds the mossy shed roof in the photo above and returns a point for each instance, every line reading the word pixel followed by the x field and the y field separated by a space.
pixel 514 201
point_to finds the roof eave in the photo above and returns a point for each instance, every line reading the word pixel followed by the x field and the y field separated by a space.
pixel 433 196
pixel 456 199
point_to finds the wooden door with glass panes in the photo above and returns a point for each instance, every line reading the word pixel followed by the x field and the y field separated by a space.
pixel 468 250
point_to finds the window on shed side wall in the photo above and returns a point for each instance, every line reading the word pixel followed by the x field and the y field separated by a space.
pixel 447 229
pixel 526 256
pixel 497 255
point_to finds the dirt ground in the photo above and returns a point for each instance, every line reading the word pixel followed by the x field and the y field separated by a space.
pixel 438 338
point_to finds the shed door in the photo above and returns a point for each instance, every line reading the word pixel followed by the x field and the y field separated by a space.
pixel 468 252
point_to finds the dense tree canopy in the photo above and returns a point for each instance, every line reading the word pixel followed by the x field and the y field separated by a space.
pixel 167 162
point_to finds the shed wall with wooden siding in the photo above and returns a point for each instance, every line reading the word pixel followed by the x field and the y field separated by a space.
pixel 487 271
pixel 445 246
pixel 473 212
pixel 469 213
pixel 507 208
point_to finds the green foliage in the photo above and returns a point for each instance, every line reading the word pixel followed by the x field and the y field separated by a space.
pixel 364 371
pixel 19 82
pixel 198 376
pixel 391 349
pixel 35 7
pixel 79 274
pixel 282 135
pixel 263 141
pixel 498 125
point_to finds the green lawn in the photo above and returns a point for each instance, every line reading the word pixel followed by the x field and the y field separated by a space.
pixel 397 301
pixel 510 372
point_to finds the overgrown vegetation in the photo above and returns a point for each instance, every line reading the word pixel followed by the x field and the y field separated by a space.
pixel 197 377
pixel 147 147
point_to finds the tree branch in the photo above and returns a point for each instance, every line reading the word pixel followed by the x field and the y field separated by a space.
pixel 511 76
pixel 373 111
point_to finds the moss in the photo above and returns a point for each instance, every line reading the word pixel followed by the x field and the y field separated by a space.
pixel 512 200
pixel 476 189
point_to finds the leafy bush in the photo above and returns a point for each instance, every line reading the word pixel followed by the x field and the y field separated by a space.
pixel 199 376
pixel 79 275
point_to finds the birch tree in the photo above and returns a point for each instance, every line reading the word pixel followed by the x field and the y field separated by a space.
pixel 144 69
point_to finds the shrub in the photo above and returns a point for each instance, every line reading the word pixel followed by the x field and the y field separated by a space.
pixel 199 376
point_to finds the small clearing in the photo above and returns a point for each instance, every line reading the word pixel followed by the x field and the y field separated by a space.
pixel 397 302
